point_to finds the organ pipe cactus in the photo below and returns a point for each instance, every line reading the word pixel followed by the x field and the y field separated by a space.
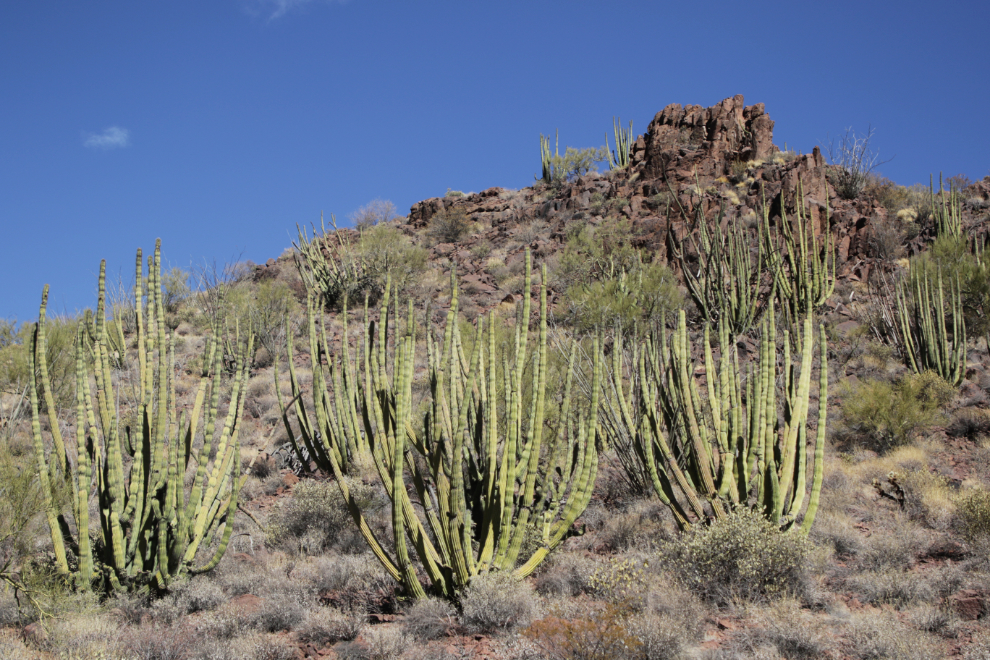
pixel 482 474
pixel 947 212
pixel 929 339
pixel 552 171
pixel 148 528
pixel 803 267
pixel 727 283
pixel 740 438
pixel 621 157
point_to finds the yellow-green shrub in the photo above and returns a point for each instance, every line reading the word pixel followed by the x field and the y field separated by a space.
pixel 742 556
pixel 882 415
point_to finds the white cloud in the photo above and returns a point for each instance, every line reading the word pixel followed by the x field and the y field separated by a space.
pixel 280 8
pixel 114 137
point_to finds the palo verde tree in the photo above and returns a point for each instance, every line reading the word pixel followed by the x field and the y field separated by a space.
pixel 149 527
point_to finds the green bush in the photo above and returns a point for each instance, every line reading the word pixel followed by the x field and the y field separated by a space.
pixel 742 556
pixel 881 415
pixel 384 250
pixel 973 514
pixel 449 226
pixel 644 295
pixel 60 353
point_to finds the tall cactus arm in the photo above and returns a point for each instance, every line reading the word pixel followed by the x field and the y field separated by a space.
pixel 46 383
pixel 819 463
pixel 51 511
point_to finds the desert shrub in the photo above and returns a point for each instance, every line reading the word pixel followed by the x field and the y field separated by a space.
pixel 385 642
pixel 973 514
pixel 836 531
pixel 351 582
pixel 373 213
pixel 894 548
pixel 385 252
pixel 742 556
pixel 566 574
pixel 199 594
pixel 430 618
pixel 156 643
pixel 316 518
pixel 175 289
pixel 642 296
pixel 595 253
pixel 969 423
pixel 934 619
pixel 881 415
pixel 881 636
pixel 853 161
pixel 449 226
pixel 272 648
pixel 20 505
pixel 600 634
pixel 60 334
pixel 497 602
pixel 575 163
pixel 620 581
pixel 222 624
pixel 268 312
pixel 281 611
pixel 885 239
pixel 892 196
pixel 329 625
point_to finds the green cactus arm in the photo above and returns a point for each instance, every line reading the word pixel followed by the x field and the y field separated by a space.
pixel 46 383
pixel 51 512
pixel 228 523
pixel 819 462
pixel 799 406
pixel 83 471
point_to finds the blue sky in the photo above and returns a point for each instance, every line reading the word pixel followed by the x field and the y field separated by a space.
pixel 218 125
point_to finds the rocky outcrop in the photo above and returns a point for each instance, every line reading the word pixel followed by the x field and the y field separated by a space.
pixel 687 141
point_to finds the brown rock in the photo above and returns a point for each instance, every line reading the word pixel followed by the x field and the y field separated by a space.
pixel 34 635
pixel 969 604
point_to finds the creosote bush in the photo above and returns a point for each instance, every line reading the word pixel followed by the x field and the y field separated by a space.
pixel 881 415
pixel 743 556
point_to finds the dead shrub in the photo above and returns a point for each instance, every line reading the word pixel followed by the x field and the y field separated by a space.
pixel 430 618
pixel 328 625
pixel 497 602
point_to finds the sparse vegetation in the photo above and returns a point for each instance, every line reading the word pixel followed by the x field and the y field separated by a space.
pixel 461 496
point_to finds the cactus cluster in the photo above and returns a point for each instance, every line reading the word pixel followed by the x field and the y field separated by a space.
pixel 149 528
pixel 803 268
pixel 929 338
pixel 482 473
pixel 947 211
pixel 551 171
pixel 736 442
pixel 728 283
pixel 621 157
